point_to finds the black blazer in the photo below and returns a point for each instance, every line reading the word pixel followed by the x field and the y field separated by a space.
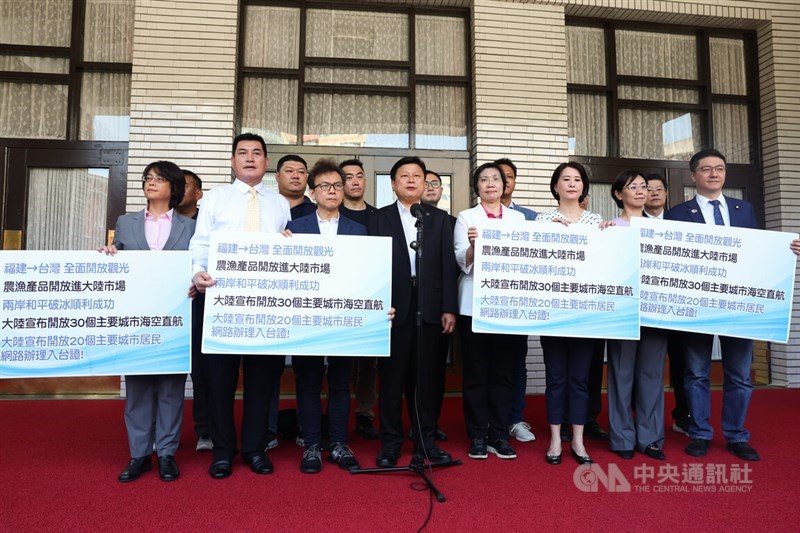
pixel 439 263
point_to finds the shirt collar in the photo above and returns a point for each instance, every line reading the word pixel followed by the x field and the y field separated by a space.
pixel 167 215
pixel 244 188
pixel 331 221
pixel 703 201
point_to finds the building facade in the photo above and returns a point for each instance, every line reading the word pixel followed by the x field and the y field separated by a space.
pixel 93 90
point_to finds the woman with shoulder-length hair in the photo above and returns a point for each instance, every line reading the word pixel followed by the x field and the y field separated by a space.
pixel 567 360
pixel 154 401
pixel 488 357
pixel 636 368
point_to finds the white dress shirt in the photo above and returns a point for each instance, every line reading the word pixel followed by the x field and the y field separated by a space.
pixel 473 218
pixel 328 227
pixel 223 209
pixel 410 229
pixel 708 210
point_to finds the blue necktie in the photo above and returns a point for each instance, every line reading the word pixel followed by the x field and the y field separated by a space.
pixel 717 213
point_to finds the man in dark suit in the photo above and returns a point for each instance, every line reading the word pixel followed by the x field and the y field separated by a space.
pixel 432 195
pixel 326 184
pixel 365 369
pixel 710 206
pixel 655 207
pixel 405 370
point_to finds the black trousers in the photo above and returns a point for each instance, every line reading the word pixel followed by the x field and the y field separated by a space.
pixel 567 362
pixel 200 374
pixel 260 377
pixel 595 384
pixel 412 374
pixel 440 375
pixel 309 372
pixel 677 368
pixel 488 360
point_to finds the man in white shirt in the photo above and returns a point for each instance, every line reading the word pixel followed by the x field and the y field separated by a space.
pixel 244 205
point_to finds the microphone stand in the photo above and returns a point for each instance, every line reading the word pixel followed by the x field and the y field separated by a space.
pixel 418 464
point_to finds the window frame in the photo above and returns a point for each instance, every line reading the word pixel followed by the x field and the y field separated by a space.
pixel 409 66
pixel 77 67
pixel 707 98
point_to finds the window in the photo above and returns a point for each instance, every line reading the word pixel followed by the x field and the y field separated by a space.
pixel 656 94
pixel 48 74
pixel 395 78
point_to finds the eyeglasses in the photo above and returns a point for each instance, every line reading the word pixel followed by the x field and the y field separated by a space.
pixel 707 170
pixel 433 184
pixel 634 188
pixel 154 179
pixel 656 189
pixel 325 187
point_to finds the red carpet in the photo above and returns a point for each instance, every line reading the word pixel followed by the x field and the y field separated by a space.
pixel 59 461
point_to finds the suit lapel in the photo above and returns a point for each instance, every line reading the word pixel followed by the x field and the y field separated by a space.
pixel 693 211
pixel 175 232
pixel 138 231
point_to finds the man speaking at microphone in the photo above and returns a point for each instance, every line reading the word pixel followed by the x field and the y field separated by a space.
pixel 406 371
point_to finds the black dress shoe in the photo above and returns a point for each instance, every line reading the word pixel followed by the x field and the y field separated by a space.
pixel 438 455
pixel 553 459
pixel 365 429
pixel 387 457
pixel 625 454
pixel 594 431
pixel 654 452
pixel 135 468
pixel 580 459
pixel 439 435
pixel 260 464
pixel 168 468
pixel 220 469
pixel 743 451
pixel 698 447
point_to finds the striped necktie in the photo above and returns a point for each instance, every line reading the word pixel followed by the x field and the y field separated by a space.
pixel 718 220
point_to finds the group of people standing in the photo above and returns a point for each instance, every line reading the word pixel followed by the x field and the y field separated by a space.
pixel 494 365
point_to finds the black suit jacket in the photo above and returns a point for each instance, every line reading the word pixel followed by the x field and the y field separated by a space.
pixel 439 264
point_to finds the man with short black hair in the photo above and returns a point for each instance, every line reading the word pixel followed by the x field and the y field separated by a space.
pixel 432 196
pixel 517 426
pixel 292 178
pixel 406 370
pixel 365 373
pixel 188 208
pixel 656 204
pixel 709 206
pixel 326 184
pixel 244 205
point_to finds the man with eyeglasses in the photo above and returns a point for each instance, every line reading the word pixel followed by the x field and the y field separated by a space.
pixel 326 184
pixel 710 206
pixel 431 196
pixel 655 205
pixel 365 369
pixel 517 426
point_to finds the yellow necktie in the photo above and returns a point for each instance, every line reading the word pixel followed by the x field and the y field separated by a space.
pixel 252 215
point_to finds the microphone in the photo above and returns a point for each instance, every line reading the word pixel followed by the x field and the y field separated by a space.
pixel 417 211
